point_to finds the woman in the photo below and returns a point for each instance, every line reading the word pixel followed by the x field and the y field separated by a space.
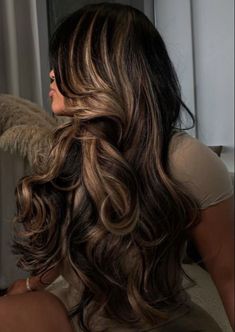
pixel 123 191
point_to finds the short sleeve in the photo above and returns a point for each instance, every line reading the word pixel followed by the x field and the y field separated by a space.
pixel 199 170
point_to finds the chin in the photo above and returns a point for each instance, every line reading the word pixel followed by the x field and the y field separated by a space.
pixel 60 112
pixel 58 109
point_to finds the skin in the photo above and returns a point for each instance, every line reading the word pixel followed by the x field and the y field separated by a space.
pixel 36 282
pixel 57 99
pixel 33 311
pixel 213 236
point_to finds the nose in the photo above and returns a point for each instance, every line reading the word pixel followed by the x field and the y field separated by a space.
pixel 52 75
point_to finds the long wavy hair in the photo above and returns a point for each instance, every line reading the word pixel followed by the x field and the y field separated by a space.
pixel 107 209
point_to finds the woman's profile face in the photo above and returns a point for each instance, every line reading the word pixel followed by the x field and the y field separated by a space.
pixel 57 99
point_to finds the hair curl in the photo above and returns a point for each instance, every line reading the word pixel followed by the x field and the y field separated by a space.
pixel 107 208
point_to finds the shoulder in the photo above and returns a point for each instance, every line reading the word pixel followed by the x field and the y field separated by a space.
pixel 24 312
pixel 199 169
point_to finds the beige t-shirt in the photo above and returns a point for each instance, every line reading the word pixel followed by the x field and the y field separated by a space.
pixel 199 169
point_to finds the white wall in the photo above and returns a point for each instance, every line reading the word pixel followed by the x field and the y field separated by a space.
pixel 214 61
pixel 173 21
pixel 199 35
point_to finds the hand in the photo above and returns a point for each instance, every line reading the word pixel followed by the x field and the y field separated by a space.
pixel 35 282
pixel 18 287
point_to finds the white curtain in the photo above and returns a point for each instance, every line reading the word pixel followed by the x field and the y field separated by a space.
pixel 23 72
pixel 24 44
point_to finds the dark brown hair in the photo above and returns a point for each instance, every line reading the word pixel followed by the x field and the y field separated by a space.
pixel 107 208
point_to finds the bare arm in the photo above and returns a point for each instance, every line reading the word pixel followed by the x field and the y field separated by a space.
pixel 214 238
